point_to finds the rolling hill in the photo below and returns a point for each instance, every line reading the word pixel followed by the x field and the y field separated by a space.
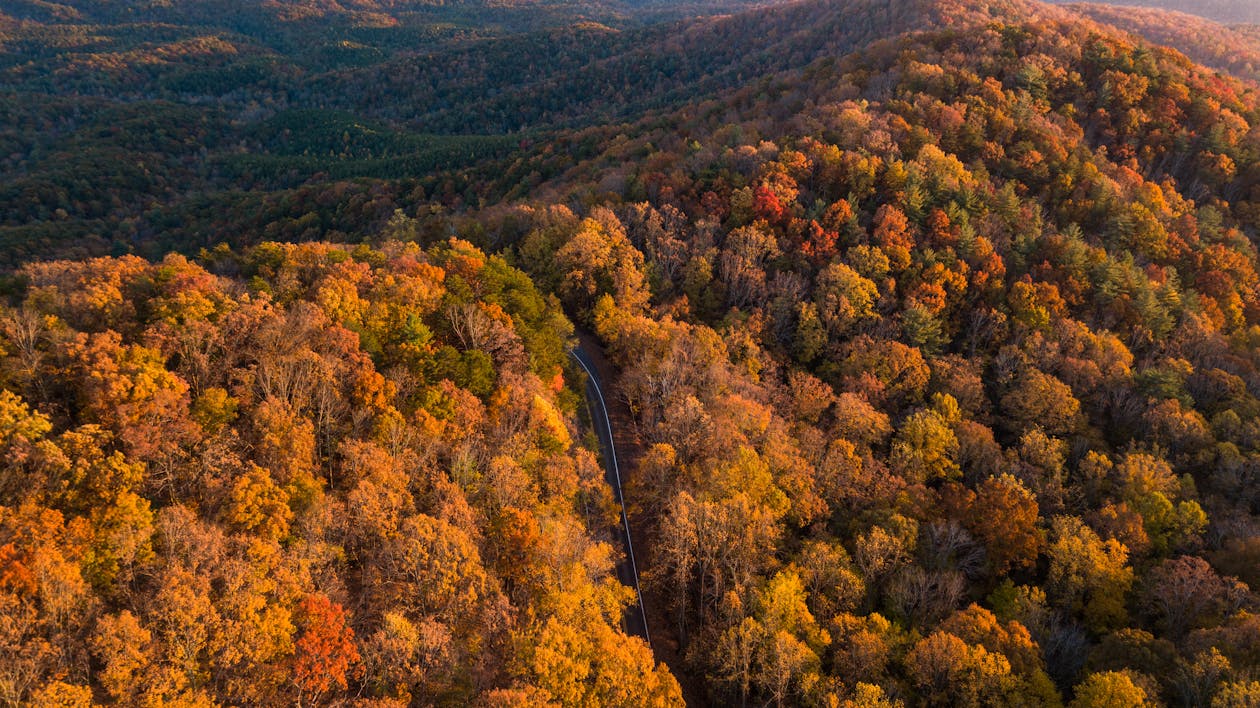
pixel 934 326
pixel 1213 44
pixel 1225 11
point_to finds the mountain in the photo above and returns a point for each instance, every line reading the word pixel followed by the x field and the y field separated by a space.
pixel 1231 49
pixel 966 252
pixel 447 102
pixel 799 97
pixel 926 334
pixel 263 18
pixel 587 74
pixel 1226 11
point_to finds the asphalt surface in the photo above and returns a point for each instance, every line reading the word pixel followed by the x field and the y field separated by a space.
pixel 634 620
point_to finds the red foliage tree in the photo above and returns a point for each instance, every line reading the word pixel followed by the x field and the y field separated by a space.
pixel 766 205
pixel 325 654
pixel 819 244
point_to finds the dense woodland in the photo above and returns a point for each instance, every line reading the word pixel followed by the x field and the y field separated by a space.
pixel 1232 49
pixel 939 335
pixel 304 473
pixel 1217 10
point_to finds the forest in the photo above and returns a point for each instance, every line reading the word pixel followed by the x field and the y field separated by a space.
pixel 1238 11
pixel 1234 49
pixel 935 324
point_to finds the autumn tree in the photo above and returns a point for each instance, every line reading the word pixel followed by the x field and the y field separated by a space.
pixel 1109 688
pixel 945 670
pixel 1087 575
pixel 325 654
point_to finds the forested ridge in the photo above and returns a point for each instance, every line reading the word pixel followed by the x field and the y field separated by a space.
pixel 1217 10
pixel 938 334
pixel 1230 48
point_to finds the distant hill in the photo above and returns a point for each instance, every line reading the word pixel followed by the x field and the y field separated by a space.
pixel 517 14
pixel 579 75
pixel 1232 49
pixel 235 131
pixel 1219 10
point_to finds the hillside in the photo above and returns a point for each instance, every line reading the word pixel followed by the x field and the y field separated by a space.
pixel 586 75
pixel 226 114
pixel 1225 11
pixel 936 327
pixel 960 271
pixel 285 23
pixel 1209 43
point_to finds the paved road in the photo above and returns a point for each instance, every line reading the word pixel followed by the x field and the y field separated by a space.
pixel 635 619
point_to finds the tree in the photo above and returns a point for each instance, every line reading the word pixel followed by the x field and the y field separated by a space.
pixel 863 646
pixel 976 625
pixel 819 244
pixel 18 423
pixel 214 410
pixel 121 644
pixel 886 371
pixel 1038 462
pixel 435 568
pixel 858 422
pixel 325 655
pixel 892 234
pixel 1004 517
pixel 599 259
pixel 781 605
pixel 924 597
pixel 884 549
pixel 60 694
pixel 593 665
pixel 1109 689
pixel 1041 400
pixel 1240 694
pixel 1185 592
pixel 1087 575
pixel 127 389
pixel 845 299
pixel 1147 484
pixel 787 668
pixel 85 473
pixel 258 505
pixel 867 695
pixel 403 658
pixel 809 397
pixel 810 338
pixel 734 654
pixel 256 633
pixel 184 622
pixel 923 329
pixel 287 448
pixel 945 670
pixel 123 540
pixel 766 205
pixel 924 448
pixel 833 585
pixel 743 262
pixel 1138 651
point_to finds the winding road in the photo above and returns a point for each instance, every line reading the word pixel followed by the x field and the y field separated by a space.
pixel 635 618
